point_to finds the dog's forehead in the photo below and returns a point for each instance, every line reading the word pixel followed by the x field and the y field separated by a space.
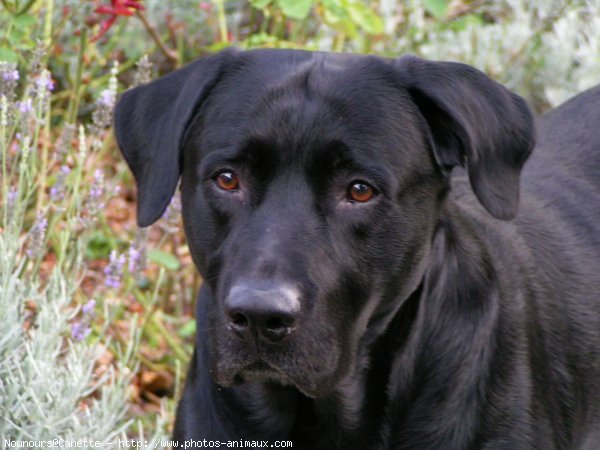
pixel 272 77
pixel 303 100
pixel 271 63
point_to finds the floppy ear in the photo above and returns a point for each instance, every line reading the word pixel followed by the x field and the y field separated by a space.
pixel 476 121
pixel 150 123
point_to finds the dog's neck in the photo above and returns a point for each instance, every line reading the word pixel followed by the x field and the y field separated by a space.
pixel 458 288
pixel 459 292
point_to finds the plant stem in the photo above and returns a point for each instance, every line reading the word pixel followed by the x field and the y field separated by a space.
pixel 170 54
pixel 222 20
pixel 25 8
pixel 338 43
pixel 76 95
pixel 6 6
pixel 44 164
pixel 166 334
pixel 3 159
pixel 48 23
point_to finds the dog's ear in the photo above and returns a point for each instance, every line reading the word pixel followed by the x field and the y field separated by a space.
pixel 150 124
pixel 475 121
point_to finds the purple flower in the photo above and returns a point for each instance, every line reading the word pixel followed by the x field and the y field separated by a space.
pixel 94 202
pixel 45 83
pixel 37 236
pixel 134 258
pixel 11 75
pixel 107 98
pixel 88 308
pixel 11 198
pixel 102 115
pixel 97 189
pixel 137 260
pixel 25 106
pixel 137 254
pixel 114 270
pixel 57 192
pixel 11 202
pixel 64 144
pixel 80 330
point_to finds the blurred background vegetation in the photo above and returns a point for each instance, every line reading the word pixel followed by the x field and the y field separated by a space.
pixel 97 314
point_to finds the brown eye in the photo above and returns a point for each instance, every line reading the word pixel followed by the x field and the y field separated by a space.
pixel 360 192
pixel 228 181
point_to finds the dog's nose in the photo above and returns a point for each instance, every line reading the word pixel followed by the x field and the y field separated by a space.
pixel 262 311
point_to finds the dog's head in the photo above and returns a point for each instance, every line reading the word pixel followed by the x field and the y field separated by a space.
pixel 312 185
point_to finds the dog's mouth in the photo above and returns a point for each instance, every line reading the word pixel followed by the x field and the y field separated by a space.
pixel 261 372
pixel 300 362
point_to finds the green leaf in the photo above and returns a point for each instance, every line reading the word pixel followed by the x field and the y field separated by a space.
pixel 437 8
pixel 143 283
pixel 259 40
pixel 218 46
pixel 189 329
pixel 260 4
pixel 19 38
pixel 167 260
pixel 295 9
pixel 463 22
pixel 334 7
pixel 365 18
pixel 24 21
pixel 99 245
pixel 6 54
pixel 335 14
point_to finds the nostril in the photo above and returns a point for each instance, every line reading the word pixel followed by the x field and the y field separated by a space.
pixel 278 323
pixel 239 320
pixel 276 328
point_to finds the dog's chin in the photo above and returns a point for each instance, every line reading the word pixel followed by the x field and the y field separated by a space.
pixel 264 373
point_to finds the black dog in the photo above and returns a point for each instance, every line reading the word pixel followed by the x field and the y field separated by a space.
pixel 362 290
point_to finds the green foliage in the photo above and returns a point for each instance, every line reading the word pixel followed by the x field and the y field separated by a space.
pixel 188 330
pixel 55 379
pixel 351 17
pixel 18 37
pixel 47 380
pixel 52 385
pixel 167 260
pixel 294 9
pixel 437 8
pixel 99 245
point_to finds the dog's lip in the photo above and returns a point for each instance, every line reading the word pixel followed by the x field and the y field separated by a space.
pixel 261 371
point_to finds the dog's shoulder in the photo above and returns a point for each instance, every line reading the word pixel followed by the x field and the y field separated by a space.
pixel 568 136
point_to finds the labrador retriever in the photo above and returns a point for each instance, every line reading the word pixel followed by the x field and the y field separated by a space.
pixel 386 263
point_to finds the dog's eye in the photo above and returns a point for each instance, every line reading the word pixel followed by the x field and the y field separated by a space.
pixel 359 191
pixel 227 181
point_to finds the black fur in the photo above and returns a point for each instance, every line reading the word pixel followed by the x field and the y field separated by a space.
pixel 421 319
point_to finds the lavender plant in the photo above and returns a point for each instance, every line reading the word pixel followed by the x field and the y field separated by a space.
pixel 545 50
pixel 52 383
